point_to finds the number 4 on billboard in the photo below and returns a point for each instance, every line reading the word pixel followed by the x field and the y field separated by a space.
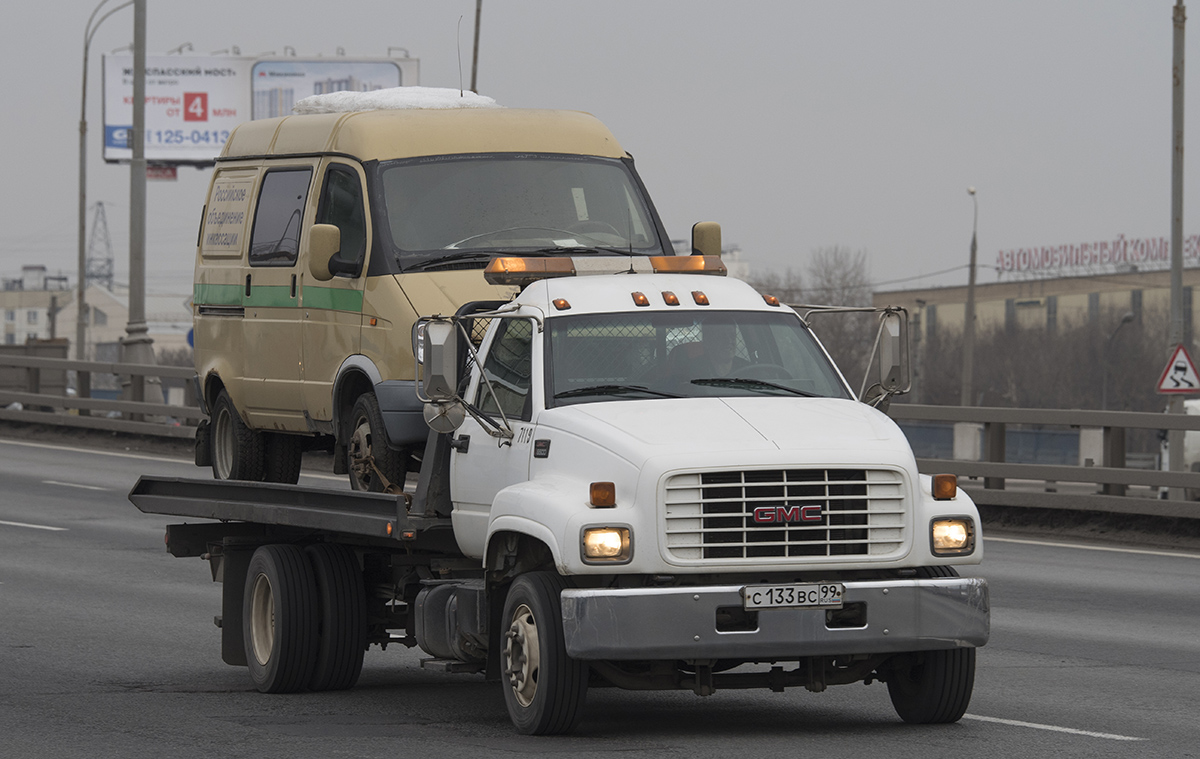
pixel 195 106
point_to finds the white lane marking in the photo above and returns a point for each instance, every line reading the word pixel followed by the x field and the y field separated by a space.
pixel 71 485
pixel 1084 547
pixel 1052 728
pixel 33 526
pixel 26 444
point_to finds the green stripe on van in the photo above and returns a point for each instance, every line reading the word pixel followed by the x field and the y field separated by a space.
pixel 333 298
pixel 277 296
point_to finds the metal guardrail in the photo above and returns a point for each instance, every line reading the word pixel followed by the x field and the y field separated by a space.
pixel 1111 480
pixel 989 481
pixel 61 409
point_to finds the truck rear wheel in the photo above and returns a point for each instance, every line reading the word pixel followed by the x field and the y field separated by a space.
pixel 282 455
pixel 932 686
pixel 279 619
pixel 545 688
pixel 342 616
pixel 237 450
pixel 367 449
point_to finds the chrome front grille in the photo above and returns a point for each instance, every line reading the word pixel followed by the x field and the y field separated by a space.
pixel 800 513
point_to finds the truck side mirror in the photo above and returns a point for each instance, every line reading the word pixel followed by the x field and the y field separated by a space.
pixel 324 242
pixel 440 361
pixel 706 238
pixel 893 352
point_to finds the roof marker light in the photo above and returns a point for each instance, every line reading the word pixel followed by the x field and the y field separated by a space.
pixel 640 299
pixel 771 300
pixel 700 298
pixel 561 304
pixel 670 298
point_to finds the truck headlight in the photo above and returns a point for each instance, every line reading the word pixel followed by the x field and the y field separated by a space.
pixel 606 545
pixel 952 536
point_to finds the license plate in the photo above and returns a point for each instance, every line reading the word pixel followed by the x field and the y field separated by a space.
pixel 825 595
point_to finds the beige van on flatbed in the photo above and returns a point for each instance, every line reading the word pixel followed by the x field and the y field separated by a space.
pixel 325 237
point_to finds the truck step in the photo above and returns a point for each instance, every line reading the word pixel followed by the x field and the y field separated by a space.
pixel 452 665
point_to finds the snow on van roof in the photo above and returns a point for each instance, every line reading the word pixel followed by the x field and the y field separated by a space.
pixel 393 98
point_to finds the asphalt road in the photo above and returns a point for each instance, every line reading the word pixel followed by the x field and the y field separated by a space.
pixel 108 649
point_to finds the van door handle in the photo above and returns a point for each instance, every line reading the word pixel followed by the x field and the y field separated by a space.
pixel 247 285
pixel 460 443
pixel 293 286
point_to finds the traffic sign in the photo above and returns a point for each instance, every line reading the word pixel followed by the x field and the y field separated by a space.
pixel 1180 375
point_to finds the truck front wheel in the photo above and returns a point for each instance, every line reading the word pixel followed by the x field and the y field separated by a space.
pixel 932 686
pixel 544 688
pixel 367 452
pixel 279 619
pixel 237 450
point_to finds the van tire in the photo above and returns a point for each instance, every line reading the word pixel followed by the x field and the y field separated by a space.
pixel 237 450
pixel 367 436
pixel 282 455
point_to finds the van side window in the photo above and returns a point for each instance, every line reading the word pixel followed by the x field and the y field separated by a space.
pixel 342 206
pixel 509 366
pixel 277 219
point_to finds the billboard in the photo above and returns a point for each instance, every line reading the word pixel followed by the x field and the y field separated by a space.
pixel 194 102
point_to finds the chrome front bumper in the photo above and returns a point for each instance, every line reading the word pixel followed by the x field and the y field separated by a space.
pixel 680 623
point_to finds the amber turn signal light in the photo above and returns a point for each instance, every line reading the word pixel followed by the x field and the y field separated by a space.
pixel 945 487
pixel 603 495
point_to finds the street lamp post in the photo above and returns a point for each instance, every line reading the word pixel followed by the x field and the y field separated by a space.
pixel 969 318
pixel 81 316
pixel 1127 318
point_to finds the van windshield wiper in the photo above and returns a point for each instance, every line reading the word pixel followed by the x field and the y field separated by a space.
pixel 585 250
pixel 613 390
pixel 751 384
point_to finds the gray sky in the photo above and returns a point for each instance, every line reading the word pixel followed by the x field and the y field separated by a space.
pixel 797 125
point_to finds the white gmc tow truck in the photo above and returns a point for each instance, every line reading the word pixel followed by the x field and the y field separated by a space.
pixel 637 476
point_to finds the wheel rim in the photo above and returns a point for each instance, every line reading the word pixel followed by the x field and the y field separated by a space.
pixel 358 452
pixel 262 619
pixel 522 655
pixel 223 443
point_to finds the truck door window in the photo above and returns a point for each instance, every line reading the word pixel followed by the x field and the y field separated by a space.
pixel 509 366
pixel 342 206
pixel 275 240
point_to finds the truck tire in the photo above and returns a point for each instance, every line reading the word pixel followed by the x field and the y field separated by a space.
pixel 545 688
pixel 368 441
pixel 932 686
pixel 281 457
pixel 342 617
pixel 279 619
pixel 237 450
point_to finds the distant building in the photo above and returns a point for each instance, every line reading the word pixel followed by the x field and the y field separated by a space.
pixel 1051 304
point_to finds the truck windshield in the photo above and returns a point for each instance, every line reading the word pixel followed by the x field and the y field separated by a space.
pixel 460 210
pixel 600 357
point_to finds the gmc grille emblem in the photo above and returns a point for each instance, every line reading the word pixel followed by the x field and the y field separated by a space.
pixel 787 514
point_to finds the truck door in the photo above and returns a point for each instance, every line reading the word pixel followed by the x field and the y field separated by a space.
pixel 489 464
pixel 271 324
pixel 332 311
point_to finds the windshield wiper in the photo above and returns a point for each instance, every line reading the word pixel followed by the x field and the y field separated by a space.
pixel 613 390
pixel 586 250
pixel 751 383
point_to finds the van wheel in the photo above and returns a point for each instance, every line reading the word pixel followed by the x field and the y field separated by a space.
pixel 545 688
pixel 367 452
pixel 237 450
pixel 342 616
pixel 279 619
pixel 282 455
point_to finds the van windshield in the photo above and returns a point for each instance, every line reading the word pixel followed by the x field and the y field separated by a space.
pixel 465 208
pixel 656 354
